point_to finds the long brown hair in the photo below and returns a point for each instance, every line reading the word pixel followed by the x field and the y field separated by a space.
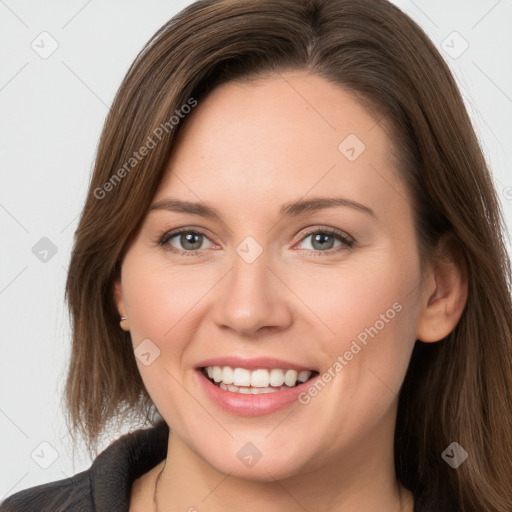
pixel 459 389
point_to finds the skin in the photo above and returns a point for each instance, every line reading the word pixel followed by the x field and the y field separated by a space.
pixel 246 150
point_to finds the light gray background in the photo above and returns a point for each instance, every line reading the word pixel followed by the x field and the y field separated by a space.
pixel 52 112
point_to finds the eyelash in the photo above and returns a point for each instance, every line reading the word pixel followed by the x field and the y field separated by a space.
pixel 347 241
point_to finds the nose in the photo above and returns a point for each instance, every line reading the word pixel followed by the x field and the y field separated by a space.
pixel 253 299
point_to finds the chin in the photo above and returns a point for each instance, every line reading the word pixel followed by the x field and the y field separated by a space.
pixel 267 463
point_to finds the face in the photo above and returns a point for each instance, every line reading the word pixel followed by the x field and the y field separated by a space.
pixel 329 292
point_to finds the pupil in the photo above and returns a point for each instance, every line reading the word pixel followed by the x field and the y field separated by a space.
pixel 321 238
pixel 189 239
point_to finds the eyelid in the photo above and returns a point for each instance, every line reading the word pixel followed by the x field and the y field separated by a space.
pixel 326 230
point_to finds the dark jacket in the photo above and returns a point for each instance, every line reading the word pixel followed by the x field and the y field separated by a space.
pixel 106 485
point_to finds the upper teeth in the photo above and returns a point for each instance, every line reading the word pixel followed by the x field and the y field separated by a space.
pixel 260 378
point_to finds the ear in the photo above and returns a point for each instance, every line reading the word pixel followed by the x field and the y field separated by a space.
pixel 445 293
pixel 119 300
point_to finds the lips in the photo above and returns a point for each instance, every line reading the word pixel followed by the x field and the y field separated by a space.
pixel 253 363
pixel 250 387
pixel 250 401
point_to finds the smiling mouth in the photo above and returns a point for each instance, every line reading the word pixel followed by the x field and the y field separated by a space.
pixel 244 381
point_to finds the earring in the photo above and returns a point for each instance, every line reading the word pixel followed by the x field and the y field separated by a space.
pixel 121 321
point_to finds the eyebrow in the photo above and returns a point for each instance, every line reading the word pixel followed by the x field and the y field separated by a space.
pixel 291 209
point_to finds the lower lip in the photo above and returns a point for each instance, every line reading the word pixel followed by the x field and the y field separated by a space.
pixel 251 405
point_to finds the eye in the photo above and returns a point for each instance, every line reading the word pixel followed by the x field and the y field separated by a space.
pixel 189 242
pixel 324 239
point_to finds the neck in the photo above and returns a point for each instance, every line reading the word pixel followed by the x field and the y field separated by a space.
pixel 188 483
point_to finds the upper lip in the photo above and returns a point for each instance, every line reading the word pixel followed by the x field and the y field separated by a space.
pixel 253 363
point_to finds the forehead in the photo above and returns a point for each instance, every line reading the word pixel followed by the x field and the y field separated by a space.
pixel 280 138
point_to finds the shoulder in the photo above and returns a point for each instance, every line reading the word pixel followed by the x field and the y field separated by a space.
pixel 433 500
pixel 72 493
pixel 106 486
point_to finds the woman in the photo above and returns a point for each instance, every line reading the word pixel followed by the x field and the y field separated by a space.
pixel 290 262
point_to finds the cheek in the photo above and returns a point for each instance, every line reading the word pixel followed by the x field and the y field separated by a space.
pixel 363 294
pixel 160 304
pixel 368 312
pixel 365 352
pixel 158 298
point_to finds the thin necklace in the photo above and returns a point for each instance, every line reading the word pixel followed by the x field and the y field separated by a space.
pixel 155 501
